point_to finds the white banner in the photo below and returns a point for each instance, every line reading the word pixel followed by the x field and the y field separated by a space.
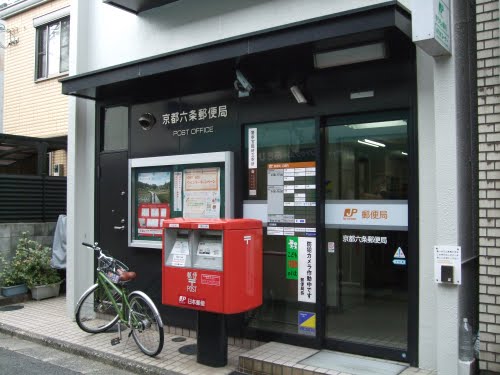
pixel 252 148
pixel 307 269
pixel 384 214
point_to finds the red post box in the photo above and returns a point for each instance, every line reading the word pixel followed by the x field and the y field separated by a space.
pixel 212 265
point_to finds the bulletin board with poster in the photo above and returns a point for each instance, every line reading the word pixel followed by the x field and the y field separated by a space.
pixel 188 186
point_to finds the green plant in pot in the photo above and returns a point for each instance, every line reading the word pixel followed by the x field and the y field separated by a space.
pixel 13 275
pixel 32 265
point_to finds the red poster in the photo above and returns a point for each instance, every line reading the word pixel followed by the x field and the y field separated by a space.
pixel 150 218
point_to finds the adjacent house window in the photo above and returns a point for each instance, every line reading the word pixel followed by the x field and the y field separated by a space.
pixel 52 55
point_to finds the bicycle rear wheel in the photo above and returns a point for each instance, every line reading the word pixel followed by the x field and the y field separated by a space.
pixel 95 312
pixel 146 324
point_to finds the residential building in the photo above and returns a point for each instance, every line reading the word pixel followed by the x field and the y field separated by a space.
pixel 36 57
pixel 347 127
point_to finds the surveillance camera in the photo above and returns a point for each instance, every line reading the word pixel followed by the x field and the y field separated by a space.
pixel 146 121
pixel 242 85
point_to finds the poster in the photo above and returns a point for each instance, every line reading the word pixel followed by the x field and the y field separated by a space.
pixel 201 195
pixel 153 202
pixel 307 269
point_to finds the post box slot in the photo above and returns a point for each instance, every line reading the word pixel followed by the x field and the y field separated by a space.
pixel 208 248
pixel 177 248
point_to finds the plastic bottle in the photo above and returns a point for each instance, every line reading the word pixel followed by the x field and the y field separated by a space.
pixel 466 348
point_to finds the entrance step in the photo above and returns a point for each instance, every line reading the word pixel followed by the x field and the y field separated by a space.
pixel 282 359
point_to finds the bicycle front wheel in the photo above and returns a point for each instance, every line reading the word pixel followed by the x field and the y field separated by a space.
pixel 95 312
pixel 146 324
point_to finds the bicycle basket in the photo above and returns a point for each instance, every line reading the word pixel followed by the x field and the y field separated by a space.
pixel 112 268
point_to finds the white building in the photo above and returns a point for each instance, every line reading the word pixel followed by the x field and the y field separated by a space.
pixel 383 126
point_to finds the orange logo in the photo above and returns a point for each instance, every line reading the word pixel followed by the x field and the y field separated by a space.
pixel 349 213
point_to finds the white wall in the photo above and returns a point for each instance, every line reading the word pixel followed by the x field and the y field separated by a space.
pixel 116 36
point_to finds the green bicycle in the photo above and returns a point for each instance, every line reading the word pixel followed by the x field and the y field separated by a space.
pixel 108 302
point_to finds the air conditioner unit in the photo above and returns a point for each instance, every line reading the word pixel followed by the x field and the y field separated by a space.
pixel 58 170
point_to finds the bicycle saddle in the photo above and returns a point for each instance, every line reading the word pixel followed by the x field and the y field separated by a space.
pixel 127 276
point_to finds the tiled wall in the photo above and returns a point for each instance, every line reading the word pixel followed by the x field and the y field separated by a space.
pixel 488 65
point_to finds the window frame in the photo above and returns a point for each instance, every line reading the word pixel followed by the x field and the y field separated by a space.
pixel 42 50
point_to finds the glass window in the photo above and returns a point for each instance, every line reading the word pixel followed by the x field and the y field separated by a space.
pixel 115 128
pixel 366 219
pixel 281 165
pixel 52 48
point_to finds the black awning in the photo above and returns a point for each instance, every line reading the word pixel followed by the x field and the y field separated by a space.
pixel 111 82
pixel 138 6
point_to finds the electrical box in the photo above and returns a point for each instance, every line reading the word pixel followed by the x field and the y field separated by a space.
pixel 58 170
pixel 212 265
pixel 448 265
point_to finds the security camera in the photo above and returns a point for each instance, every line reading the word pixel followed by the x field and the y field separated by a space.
pixel 146 121
pixel 242 85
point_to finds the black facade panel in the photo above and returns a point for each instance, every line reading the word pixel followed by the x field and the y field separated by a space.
pixel 31 198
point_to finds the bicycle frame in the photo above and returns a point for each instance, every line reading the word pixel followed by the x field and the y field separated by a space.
pixel 107 284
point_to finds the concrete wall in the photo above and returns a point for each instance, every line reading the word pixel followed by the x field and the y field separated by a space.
pixel 10 233
pixel 31 108
pixel 488 69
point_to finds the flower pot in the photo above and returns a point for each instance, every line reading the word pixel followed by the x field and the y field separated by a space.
pixel 10 291
pixel 39 292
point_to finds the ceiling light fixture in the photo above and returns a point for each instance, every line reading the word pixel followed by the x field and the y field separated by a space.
pixel 374 143
pixel 353 55
pixel 382 124
pixel 367 144
pixel 297 94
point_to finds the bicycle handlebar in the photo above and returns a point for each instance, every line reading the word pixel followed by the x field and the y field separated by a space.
pixel 87 244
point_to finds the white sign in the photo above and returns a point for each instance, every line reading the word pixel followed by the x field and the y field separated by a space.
pixel 384 214
pixel 399 258
pixel 181 246
pixel 431 26
pixel 210 249
pixel 448 256
pixel 202 193
pixel 307 269
pixel 179 260
pixel 252 148
pixel 177 191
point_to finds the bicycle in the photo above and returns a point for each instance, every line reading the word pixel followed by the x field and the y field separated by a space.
pixel 108 302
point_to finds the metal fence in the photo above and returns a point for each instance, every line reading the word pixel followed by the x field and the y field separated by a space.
pixel 31 198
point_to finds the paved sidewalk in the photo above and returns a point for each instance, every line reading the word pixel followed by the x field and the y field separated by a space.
pixel 46 322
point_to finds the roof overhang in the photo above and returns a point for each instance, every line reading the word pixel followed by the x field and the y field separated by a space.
pixel 109 82
pixel 19 7
pixel 138 6
pixel 15 148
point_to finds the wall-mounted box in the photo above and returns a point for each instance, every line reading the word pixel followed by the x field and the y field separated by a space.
pixel 448 264
pixel 431 26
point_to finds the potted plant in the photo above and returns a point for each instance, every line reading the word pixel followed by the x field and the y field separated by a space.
pixel 12 281
pixel 32 265
pixel 12 277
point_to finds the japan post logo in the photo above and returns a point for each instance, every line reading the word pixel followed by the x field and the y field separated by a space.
pixel 182 300
pixel 349 213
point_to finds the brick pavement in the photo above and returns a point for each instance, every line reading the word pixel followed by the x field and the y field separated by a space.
pixel 46 322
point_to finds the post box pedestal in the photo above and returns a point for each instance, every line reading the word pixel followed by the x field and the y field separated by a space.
pixel 212 339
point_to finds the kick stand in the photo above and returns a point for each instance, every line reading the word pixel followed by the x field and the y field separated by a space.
pixel 117 340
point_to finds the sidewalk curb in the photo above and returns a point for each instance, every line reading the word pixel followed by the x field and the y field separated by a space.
pixel 106 358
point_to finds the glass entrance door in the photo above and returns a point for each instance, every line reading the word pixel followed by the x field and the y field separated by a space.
pixel 366 234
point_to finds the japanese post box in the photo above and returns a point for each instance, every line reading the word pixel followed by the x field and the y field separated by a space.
pixel 212 265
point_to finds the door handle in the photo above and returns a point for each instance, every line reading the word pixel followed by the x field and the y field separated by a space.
pixel 119 228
